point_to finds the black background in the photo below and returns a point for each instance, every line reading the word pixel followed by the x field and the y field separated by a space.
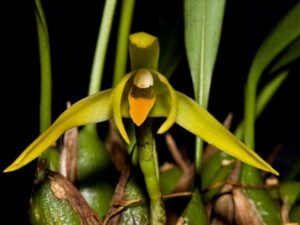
pixel 73 27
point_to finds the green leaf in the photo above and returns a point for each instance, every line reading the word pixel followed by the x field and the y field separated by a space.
pixel 203 22
pixel 290 192
pixel 286 31
pixel 45 65
pixel 264 98
pixel 215 166
pixel 122 42
pixel 289 55
pixel 194 213
pixel 92 109
pixel 101 47
pixel 198 121
pixel 169 178
pixel 262 203
pixel 52 158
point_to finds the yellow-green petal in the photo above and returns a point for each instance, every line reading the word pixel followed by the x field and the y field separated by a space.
pixel 117 97
pixel 171 118
pixel 92 109
pixel 201 123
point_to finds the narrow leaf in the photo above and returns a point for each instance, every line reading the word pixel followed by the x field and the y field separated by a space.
pixel 122 42
pixel 264 98
pixel 101 47
pixel 291 54
pixel 45 67
pixel 203 23
pixel 286 31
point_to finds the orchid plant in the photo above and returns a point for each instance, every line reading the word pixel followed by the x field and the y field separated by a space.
pixel 143 94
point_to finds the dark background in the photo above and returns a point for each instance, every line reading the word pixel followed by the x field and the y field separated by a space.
pixel 73 27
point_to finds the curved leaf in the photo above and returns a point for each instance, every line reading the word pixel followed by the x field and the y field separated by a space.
pixel 264 98
pixel 287 31
pixel 284 34
pixel 291 54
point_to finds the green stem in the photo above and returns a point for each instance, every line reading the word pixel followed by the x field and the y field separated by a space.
pixel 122 44
pixel 149 165
pixel 102 43
pixel 45 66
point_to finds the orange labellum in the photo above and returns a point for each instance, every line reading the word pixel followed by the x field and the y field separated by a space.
pixel 139 108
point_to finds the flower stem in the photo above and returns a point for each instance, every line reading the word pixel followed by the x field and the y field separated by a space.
pixel 149 165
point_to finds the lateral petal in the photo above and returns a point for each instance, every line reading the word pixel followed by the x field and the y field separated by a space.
pixel 171 117
pixel 198 121
pixel 92 109
pixel 117 96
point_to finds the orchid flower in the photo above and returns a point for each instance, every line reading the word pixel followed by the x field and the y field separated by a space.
pixel 142 93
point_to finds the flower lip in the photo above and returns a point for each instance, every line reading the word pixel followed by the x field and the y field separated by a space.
pixel 141 96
